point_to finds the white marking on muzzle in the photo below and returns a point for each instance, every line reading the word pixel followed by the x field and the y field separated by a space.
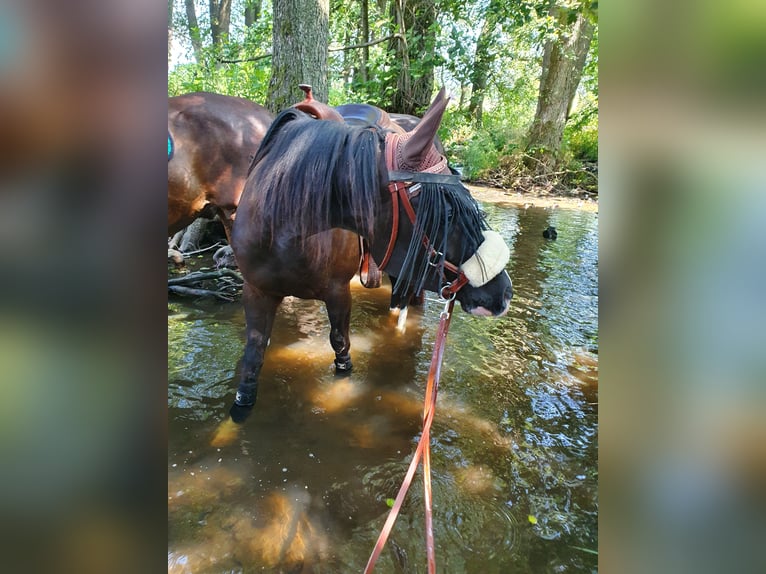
pixel 490 259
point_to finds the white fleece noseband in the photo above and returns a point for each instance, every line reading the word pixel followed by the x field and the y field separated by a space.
pixel 489 260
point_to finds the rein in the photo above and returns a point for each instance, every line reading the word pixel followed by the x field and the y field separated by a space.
pixel 403 185
pixel 423 450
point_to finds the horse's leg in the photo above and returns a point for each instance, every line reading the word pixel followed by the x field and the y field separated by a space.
pixel 227 219
pixel 398 307
pixel 401 322
pixel 338 302
pixel 224 256
pixel 260 310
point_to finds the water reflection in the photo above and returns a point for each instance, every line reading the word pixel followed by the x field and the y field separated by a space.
pixel 302 485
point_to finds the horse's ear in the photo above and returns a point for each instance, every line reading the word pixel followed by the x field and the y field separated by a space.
pixel 421 138
pixel 442 95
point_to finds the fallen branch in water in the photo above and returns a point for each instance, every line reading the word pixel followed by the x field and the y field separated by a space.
pixel 197 276
pixel 223 284
pixel 180 290
pixel 187 253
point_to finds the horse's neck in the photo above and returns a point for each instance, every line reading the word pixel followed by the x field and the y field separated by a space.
pixel 343 216
pixel 383 228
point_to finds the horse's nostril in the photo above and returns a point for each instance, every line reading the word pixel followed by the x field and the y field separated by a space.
pixel 508 293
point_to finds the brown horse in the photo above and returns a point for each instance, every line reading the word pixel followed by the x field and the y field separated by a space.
pixel 393 189
pixel 213 139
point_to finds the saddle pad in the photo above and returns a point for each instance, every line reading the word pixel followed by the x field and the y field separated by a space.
pixel 368 115
pixel 363 113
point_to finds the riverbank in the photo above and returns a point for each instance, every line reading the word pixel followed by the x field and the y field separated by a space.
pixel 497 195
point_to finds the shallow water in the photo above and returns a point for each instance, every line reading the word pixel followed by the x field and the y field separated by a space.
pixel 302 485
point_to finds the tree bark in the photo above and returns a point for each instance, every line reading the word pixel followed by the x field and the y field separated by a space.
pixel 563 62
pixel 193 234
pixel 220 18
pixel 194 32
pixel 365 30
pixel 252 12
pixel 482 62
pixel 412 88
pixel 170 31
pixel 301 37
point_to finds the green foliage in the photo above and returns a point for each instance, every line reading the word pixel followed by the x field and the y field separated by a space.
pixel 477 150
pixel 581 135
pixel 489 149
pixel 583 144
pixel 479 154
pixel 246 80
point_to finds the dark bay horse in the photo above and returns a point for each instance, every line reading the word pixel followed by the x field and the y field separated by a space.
pixel 393 189
pixel 213 138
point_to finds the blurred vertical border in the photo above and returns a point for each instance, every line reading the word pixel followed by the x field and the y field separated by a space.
pixel 82 299
pixel 682 272
pixel 682 459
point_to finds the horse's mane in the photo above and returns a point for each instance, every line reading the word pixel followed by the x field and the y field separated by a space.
pixel 308 170
pixel 443 209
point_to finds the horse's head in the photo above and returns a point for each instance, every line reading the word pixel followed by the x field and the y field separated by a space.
pixel 451 248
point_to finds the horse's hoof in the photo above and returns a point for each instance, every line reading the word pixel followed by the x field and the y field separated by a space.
pixel 239 413
pixel 343 367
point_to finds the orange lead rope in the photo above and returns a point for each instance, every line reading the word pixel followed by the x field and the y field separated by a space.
pixel 423 450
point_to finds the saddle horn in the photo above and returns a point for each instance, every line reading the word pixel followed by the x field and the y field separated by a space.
pixel 421 139
pixel 315 108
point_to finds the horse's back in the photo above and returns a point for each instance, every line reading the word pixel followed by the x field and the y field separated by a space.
pixel 214 138
pixel 208 114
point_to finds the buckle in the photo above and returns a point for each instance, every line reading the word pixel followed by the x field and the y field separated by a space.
pixel 437 254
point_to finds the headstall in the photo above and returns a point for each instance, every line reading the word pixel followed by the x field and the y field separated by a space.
pixel 405 185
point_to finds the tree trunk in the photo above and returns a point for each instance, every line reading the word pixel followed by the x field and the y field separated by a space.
pixel 194 33
pixel 563 62
pixel 483 58
pixel 365 30
pixel 220 18
pixel 413 88
pixel 252 12
pixel 170 31
pixel 423 48
pixel 299 56
pixel 398 47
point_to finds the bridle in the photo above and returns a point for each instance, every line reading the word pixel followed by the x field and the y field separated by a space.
pixel 403 186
